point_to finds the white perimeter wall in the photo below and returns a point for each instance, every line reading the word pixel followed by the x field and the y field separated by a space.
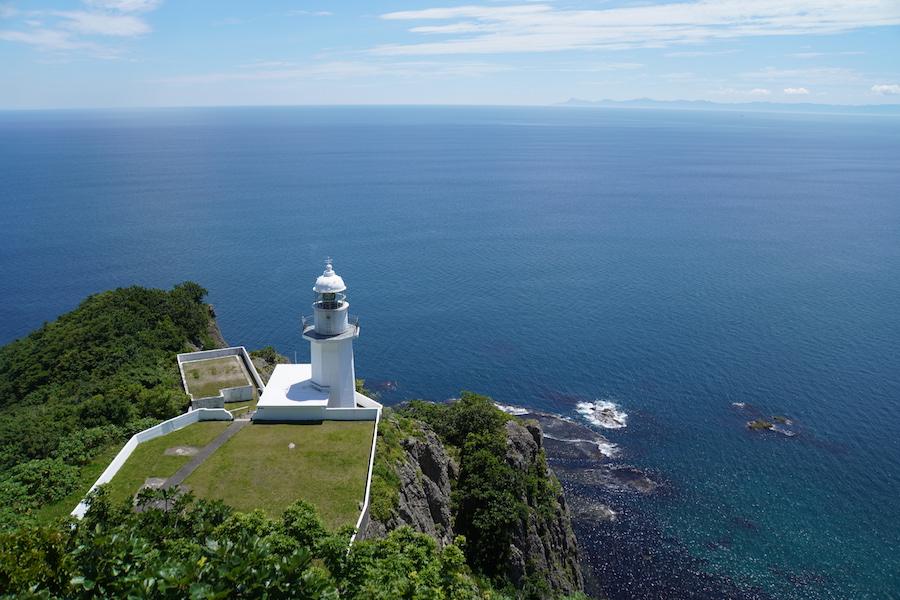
pixel 363 522
pixel 179 422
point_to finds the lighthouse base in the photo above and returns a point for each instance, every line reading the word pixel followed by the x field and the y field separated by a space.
pixel 291 395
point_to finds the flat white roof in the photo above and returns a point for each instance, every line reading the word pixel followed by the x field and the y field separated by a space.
pixel 291 385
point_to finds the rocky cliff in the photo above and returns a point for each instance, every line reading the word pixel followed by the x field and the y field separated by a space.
pixel 425 471
pixel 544 542
pixel 542 545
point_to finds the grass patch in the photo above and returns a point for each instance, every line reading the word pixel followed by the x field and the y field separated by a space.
pixel 257 469
pixel 206 377
pixel 86 478
pixel 148 459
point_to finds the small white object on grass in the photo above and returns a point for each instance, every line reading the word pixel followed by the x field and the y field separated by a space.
pixel 292 445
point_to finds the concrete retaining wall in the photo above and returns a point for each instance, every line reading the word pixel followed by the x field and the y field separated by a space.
pixel 351 414
pixel 287 414
pixel 241 393
pixel 174 424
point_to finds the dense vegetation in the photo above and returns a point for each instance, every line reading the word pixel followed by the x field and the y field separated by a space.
pixel 203 549
pixel 88 380
pixel 490 498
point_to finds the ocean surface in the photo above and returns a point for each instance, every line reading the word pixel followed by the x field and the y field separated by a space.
pixel 695 270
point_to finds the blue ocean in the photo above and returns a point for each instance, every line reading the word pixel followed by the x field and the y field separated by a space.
pixel 690 271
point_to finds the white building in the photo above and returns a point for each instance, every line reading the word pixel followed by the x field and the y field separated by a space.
pixel 325 389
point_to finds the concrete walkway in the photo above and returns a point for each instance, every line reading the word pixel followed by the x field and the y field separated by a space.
pixel 204 453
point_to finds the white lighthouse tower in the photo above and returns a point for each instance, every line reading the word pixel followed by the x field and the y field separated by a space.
pixel 324 389
pixel 331 336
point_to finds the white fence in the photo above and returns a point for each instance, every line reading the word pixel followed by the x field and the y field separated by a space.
pixel 363 522
pixel 174 424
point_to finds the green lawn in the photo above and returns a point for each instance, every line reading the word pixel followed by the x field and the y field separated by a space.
pixel 206 377
pixel 257 469
pixel 148 459
pixel 86 478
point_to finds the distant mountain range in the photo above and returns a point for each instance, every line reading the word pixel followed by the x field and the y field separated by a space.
pixel 796 107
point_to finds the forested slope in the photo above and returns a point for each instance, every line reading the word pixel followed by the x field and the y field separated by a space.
pixel 87 381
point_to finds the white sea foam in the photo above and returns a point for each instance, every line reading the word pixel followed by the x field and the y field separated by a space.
pixel 603 413
pixel 607 449
pixel 739 404
pixel 512 410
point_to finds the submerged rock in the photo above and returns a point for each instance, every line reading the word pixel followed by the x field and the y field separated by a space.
pixel 759 425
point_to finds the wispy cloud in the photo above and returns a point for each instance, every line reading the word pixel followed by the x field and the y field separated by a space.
pixel 68 30
pixel 125 6
pixel 337 70
pixel 486 29
pixel 807 55
pixel 760 92
pixel 796 91
pixel 819 75
pixel 94 23
pixel 696 53
pixel 309 13
pixel 886 89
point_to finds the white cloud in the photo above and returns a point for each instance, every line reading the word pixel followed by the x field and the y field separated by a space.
pixel 485 29
pixel 696 53
pixel 45 39
pixel 309 13
pixel 796 91
pixel 70 30
pixel 601 67
pixel 760 92
pixel 92 23
pixel 886 89
pixel 136 6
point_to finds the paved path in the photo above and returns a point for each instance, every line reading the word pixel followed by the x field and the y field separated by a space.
pixel 204 453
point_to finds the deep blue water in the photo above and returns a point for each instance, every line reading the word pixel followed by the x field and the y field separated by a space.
pixel 672 262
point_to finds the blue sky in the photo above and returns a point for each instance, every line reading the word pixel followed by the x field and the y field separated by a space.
pixel 98 53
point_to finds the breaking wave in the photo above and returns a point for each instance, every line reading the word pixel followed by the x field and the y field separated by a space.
pixel 603 413
pixel 513 410
pixel 607 449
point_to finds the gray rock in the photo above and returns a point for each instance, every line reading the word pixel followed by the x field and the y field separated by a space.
pixel 424 502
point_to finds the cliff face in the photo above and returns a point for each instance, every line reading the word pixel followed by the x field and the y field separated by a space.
pixel 425 472
pixel 542 545
pixel 543 542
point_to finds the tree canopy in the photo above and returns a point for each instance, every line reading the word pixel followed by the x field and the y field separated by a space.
pixel 177 547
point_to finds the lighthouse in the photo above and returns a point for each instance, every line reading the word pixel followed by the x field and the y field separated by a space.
pixel 325 388
pixel 331 335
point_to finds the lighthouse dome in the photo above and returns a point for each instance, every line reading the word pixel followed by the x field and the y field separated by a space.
pixel 329 282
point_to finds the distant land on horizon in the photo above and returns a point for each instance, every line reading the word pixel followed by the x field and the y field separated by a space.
pixel 759 106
